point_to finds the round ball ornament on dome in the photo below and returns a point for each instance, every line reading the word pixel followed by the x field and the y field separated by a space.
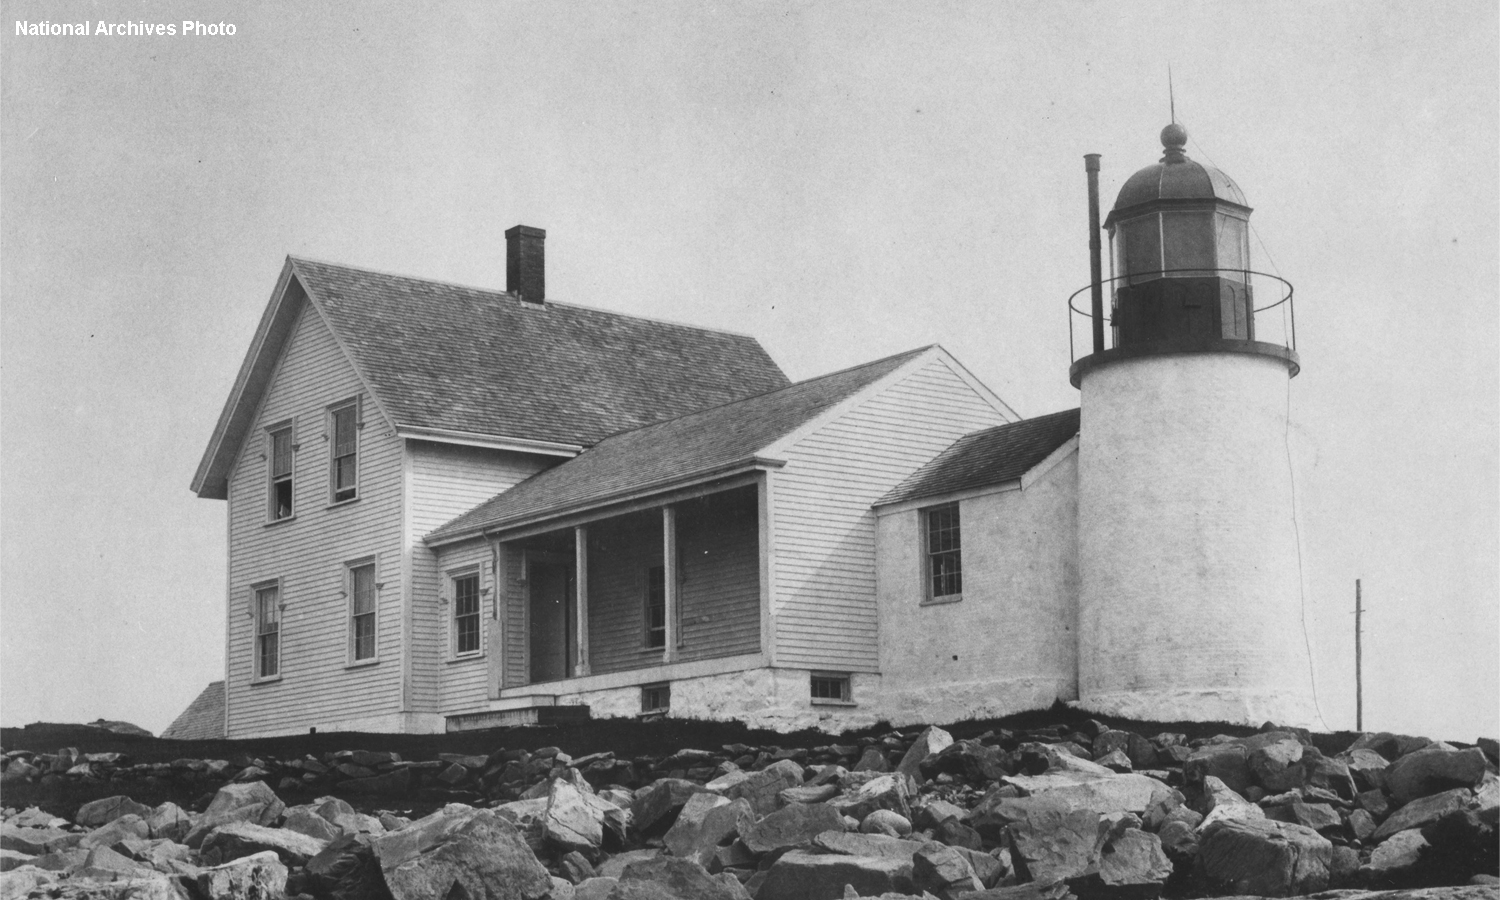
pixel 1174 142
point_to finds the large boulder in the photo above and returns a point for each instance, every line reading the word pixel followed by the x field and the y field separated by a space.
pixel 943 870
pixel 931 741
pixel 656 805
pixel 126 826
pixel 763 788
pixel 36 841
pixel 1429 771
pixel 458 848
pixel 347 869
pixel 1102 794
pixel 1422 811
pixel 237 839
pixel 891 792
pixel 1394 859
pixel 102 812
pixel 1052 842
pixel 805 875
pixel 850 843
pixel 1227 762
pixel 258 877
pixel 791 826
pixel 253 802
pixel 169 821
pixel 571 821
pixel 671 878
pixel 1277 766
pixel 1263 857
pixel 707 821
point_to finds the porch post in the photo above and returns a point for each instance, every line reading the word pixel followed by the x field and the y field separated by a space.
pixel 581 599
pixel 495 633
pixel 669 579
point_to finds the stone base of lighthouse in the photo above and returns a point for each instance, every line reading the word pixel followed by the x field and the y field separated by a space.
pixel 1190 606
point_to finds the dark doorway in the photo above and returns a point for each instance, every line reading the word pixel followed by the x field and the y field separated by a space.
pixel 552 626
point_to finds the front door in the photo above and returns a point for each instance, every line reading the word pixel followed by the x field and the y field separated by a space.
pixel 551 621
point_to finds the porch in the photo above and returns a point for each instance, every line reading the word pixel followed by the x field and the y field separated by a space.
pixel 630 598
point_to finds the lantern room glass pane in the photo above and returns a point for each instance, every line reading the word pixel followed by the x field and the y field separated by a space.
pixel 1138 249
pixel 1234 246
pixel 1189 240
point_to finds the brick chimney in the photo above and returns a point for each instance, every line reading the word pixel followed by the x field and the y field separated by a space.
pixel 525 273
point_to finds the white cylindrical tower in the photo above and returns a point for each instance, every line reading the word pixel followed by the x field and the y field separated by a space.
pixel 1190 605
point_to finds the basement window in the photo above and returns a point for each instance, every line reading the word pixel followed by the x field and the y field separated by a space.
pixel 656 698
pixel 826 687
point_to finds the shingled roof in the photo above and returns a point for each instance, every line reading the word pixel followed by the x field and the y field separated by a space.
pixel 992 456
pixel 444 358
pixel 718 441
pixel 203 719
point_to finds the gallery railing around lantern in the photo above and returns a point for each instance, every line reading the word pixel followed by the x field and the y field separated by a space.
pixel 1272 331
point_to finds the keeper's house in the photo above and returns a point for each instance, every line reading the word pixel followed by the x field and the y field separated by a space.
pixel 451 507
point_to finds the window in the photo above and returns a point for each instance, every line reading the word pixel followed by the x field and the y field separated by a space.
pixel 944 554
pixel 830 688
pixel 280 503
pixel 656 698
pixel 466 614
pixel 344 466
pixel 656 607
pixel 268 631
pixel 362 610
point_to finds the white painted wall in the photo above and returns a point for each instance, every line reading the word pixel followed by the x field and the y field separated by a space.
pixel 1190 606
pixel 319 684
pixel 824 604
pixel 1011 643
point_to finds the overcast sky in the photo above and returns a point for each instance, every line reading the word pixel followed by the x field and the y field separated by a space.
pixel 843 181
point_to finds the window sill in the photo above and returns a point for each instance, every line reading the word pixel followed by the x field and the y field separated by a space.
pixel 268 680
pixel 939 601
pixel 363 663
pixel 337 503
pixel 467 657
pixel 823 701
pixel 272 523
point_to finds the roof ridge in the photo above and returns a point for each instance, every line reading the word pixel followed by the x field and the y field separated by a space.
pixel 788 387
pixel 499 293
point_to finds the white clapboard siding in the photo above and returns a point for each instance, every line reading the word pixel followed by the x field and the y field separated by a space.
pixel 621 550
pixel 718 543
pixel 308 553
pixel 446 481
pixel 462 682
pixel 826 613
pixel 514 662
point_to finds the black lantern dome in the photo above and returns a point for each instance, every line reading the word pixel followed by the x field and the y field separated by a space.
pixel 1179 235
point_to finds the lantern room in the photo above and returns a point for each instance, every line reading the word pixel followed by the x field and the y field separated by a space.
pixel 1179 241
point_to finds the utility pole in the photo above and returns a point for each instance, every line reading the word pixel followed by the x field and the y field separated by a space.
pixel 1359 684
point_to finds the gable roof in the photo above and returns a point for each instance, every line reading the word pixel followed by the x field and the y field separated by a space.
pixel 441 358
pixel 992 456
pixel 713 442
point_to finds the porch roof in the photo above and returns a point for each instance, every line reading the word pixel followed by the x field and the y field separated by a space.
pixel 992 456
pixel 722 440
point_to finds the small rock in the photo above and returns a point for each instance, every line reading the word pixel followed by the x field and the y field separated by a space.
pixel 931 741
pixel 943 870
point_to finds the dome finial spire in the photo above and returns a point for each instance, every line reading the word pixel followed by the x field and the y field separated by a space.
pixel 1171 98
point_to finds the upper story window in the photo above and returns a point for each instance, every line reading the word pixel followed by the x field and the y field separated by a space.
pixel 656 607
pixel 945 578
pixel 362 610
pixel 279 453
pixel 268 631
pixel 466 613
pixel 344 459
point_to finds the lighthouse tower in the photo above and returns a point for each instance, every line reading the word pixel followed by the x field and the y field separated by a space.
pixel 1190 585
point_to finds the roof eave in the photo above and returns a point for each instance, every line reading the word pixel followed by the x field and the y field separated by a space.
pixel 210 481
pixel 605 502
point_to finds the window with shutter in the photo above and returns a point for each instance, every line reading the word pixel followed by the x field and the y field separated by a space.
pixel 362 610
pixel 344 460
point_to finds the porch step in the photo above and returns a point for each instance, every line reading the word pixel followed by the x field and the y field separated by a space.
pixel 526 715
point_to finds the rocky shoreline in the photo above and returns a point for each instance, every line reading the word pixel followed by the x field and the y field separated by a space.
pixel 1080 810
